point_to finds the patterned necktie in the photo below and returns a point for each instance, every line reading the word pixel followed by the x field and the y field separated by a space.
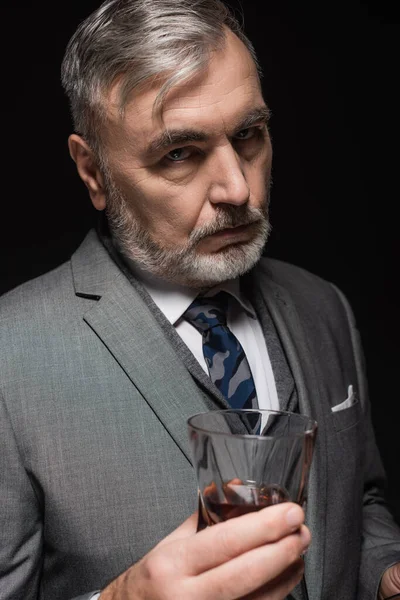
pixel 225 358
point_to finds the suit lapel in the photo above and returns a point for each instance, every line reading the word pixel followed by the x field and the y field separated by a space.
pixel 289 324
pixel 129 330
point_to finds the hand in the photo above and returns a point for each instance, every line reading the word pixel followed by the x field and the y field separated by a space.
pixel 390 582
pixel 254 556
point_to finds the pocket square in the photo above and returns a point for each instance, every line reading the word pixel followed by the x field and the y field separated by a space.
pixel 350 400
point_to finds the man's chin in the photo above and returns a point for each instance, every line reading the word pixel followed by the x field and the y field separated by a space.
pixel 191 266
pixel 206 270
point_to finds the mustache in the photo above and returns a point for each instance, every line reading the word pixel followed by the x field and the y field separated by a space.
pixel 226 218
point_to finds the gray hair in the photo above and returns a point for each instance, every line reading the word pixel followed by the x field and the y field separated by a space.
pixel 139 41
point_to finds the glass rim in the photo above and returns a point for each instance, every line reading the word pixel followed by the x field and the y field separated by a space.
pixel 307 432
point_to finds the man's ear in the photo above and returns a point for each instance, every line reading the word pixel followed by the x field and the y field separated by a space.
pixel 88 170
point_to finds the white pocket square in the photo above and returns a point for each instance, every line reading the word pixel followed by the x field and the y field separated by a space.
pixel 350 400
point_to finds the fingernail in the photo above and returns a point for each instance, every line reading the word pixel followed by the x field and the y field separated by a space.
pixel 294 517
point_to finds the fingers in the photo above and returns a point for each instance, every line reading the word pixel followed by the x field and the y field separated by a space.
pixel 220 543
pixel 390 583
pixel 258 551
pixel 259 569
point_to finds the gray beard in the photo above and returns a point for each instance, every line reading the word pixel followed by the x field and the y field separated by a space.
pixel 184 265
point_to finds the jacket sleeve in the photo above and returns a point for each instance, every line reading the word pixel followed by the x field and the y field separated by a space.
pixel 381 535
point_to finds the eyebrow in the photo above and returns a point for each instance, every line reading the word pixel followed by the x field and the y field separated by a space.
pixel 172 137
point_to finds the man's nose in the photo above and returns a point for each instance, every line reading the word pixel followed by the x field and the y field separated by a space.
pixel 229 185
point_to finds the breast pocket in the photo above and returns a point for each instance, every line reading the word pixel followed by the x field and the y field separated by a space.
pixel 347 413
pixel 347 417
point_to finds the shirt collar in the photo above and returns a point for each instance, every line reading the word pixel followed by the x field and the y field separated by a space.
pixel 173 299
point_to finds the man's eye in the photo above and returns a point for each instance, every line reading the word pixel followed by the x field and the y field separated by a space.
pixel 178 154
pixel 246 134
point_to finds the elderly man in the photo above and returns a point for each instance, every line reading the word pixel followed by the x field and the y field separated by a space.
pixel 101 363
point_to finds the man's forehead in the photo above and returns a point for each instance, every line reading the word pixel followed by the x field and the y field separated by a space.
pixel 199 95
pixel 220 96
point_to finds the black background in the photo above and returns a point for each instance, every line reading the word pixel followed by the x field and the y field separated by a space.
pixel 331 78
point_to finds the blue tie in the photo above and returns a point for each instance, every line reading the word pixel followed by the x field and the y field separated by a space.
pixel 225 358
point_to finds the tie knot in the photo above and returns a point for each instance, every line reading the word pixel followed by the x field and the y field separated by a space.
pixel 206 312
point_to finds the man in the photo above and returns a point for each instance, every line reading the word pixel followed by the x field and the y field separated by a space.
pixel 102 365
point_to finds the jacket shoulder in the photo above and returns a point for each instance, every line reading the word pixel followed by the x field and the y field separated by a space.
pixel 46 289
pixel 305 288
pixel 291 275
pixel 54 293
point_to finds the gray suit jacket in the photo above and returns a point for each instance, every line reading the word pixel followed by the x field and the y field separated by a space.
pixel 95 466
